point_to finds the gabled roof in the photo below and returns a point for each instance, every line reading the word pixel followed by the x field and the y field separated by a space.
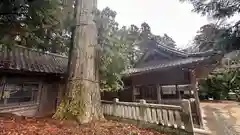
pixel 160 49
pixel 24 59
pixel 170 51
pixel 180 59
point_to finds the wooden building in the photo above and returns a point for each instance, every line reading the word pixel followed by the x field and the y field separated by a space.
pixel 30 81
pixel 165 75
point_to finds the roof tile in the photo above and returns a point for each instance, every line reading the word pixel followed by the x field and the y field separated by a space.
pixel 162 65
pixel 25 59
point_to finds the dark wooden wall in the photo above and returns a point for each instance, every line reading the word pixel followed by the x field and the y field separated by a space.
pixel 167 77
pixel 122 95
pixel 48 99
pixel 126 94
pixel 109 95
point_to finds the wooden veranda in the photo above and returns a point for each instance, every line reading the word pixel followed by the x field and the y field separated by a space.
pixel 167 87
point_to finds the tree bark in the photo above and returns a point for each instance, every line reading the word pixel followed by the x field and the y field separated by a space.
pixel 84 101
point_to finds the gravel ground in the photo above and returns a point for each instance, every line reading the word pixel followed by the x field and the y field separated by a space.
pixel 220 118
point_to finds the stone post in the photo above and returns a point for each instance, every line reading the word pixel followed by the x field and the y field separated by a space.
pixel 142 110
pixel 115 101
pixel 186 116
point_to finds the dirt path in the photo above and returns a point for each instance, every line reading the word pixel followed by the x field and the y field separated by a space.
pixel 222 119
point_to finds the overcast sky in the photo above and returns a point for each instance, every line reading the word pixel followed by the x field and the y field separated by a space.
pixel 164 16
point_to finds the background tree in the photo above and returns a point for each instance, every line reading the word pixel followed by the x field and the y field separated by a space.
pixel 33 24
pixel 221 10
pixel 133 36
pixel 166 40
pixel 148 40
pixel 223 37
pixel 113 50
pixel 219 84
pixel 208 35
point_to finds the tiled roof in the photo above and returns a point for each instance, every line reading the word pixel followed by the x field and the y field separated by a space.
pixel 173 63
pixel 185 54
pixel 172 50
pixel 191 59
pixel 25 59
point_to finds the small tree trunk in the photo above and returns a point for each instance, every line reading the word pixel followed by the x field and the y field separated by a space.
pixel 83 102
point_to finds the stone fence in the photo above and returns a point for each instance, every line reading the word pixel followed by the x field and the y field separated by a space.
pixel 171 116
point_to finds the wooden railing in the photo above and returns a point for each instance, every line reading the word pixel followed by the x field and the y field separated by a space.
pixel 172 116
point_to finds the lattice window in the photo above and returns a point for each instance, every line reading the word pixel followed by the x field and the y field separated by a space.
pixel 137 93
pixel 169 90
pixel 13 92
pixel 147 92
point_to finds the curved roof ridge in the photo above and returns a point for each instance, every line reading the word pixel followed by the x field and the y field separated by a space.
pixel 204 54
pixel 173 50
pixel 197 54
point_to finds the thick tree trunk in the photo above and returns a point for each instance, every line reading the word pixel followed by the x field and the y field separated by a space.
pixel 83 102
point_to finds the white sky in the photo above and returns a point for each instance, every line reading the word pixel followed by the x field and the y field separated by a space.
pixel 164 16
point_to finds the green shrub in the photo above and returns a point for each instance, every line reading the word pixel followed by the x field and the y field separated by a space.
pixel 219 84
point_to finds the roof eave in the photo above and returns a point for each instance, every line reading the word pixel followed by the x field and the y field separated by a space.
pixel 216 57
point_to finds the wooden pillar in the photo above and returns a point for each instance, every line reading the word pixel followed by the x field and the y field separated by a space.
pixel 2 85
pixel 2 91
pixel 40 91
pixel 161 91
pixel 134 90
pixel 178 92
pixel 195 93
pixel 159 94
pixel 190 92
